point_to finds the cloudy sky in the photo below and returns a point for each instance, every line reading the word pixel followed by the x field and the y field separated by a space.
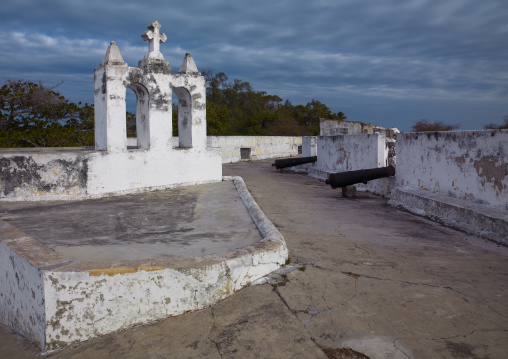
pixel 389 62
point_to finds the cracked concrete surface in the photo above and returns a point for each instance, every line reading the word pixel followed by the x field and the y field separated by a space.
pixel 363 276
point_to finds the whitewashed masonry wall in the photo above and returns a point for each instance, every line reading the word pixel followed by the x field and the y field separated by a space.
pixel 471 165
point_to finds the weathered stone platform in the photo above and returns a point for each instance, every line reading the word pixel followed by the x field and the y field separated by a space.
pixel 77 270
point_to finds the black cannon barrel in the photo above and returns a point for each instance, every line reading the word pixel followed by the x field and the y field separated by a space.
pixel 290 162
pixel 343 179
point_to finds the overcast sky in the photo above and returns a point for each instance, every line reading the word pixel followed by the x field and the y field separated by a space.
pixel 389 62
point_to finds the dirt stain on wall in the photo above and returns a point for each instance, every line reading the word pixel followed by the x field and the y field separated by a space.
pixel 489 172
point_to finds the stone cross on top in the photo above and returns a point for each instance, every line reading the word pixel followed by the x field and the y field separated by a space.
pixel 154 38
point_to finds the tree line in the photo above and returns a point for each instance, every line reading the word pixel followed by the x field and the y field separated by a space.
pixel 234 108
pixel 34 115
pixel 425 126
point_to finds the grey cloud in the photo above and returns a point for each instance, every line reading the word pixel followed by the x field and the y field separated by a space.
pixel 344 51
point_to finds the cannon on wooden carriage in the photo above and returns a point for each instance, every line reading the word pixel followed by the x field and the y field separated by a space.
pixel 290 162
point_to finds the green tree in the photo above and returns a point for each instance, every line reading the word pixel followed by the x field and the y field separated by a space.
pixel 131 124
pixel 34 115
pixel 234 108
pixel 339 116
pixel 217 117
pixel 286 126
pixel 311 115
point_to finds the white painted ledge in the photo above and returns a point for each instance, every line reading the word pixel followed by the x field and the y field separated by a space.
pixel 482 220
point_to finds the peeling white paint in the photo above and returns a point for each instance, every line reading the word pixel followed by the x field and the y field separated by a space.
pixel 21 295
pixel 469 165
pixel 456 178
pixel 93 174
pixel 76 301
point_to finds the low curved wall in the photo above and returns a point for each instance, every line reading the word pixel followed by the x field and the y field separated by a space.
pixel 54 302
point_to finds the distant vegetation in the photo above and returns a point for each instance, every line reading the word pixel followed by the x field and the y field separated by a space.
pixel 33 115
pixel 426 126
pixel 503 125
pixel 234 108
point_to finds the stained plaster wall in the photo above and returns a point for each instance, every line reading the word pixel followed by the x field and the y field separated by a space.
pixel 83 173
pixel 21 295
pixel 349 153
pixel 336 128
pixel 27 173
pixel 261 147
pixel 470 165
pixel 80 173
